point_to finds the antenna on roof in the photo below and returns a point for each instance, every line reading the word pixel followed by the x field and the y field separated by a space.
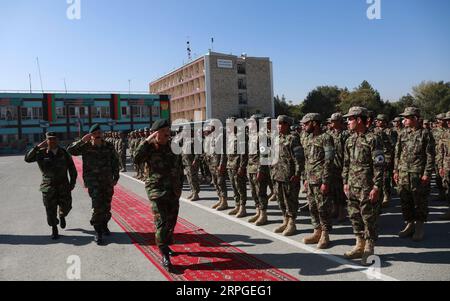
pixel 189 50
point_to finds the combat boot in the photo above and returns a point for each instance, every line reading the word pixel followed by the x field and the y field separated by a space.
pixel 419 231
pixel 194 197
pixel 358 250
pixel 55 234
pixel 242 212
pixel 281 228
pixel 273 198
pixel 324 240
pixel 408 231
pixel 223 205
pixel 369 250
pixel 314 238
pixel 234 211
pixel 167 264
pixel 446 216
pixel 62 222
pixel 255 217
pixel 98 238
pixel 262 219
pixel 106 230
pixel 216 205
pixel 291 227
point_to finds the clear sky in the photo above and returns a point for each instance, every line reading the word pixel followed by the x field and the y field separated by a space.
pixel 311 43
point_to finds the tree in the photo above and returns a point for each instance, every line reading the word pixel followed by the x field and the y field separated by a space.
pixel 432 98
pixel 364 96
pixel 323 100
pixel 284 107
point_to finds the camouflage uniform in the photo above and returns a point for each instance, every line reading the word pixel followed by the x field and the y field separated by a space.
pixel 100 174
pixel 214 161
pixel 362 171
pixel 238 183
pixel 163 187
pixel 122 145
pixel 337 194
pixel 443 161
pixel 319 156
pixel 190 171
pixel 437 135
pixel 55 186
pixel 414 158
pixel 290 163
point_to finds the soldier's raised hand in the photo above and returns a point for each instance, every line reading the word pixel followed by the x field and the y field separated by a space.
pixel 153 135
pixel 43 144
pixel 87 138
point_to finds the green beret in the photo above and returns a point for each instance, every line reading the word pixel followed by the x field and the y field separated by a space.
pixel 160 124
pixel 94 128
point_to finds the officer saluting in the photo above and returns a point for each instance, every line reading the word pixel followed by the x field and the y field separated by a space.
pixel 54 163
pixel 163 184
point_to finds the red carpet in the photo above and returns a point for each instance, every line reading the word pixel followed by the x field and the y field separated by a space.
pixel 202 256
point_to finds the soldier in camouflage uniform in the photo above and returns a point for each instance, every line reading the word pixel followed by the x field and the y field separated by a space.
pixel 191 168
pixel 237 169
pixel 414 165
pixel 217 162
pixel 387 138
pixel 337 195
pixel 443 162
pixel 319 157
pixel 437 133
pixel 100 175
pixel 258 173
pixel 363 178
pixel 122 145
pixel 163 185
pixel 286 172
pixel 54 163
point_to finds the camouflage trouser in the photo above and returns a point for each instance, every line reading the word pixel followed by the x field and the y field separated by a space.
pixel 55 198
pixel 363 214
pixel 123 161
pixel 239 185
pixel 219 182
pixel 259 190
pixel 439 181
pixel 101 196
pixel 165 211
pixel 386 189
pixel 287 197
pixel 337 195
pixel 446 185
pixel 319 208
pixel 192 178
pixel 413 197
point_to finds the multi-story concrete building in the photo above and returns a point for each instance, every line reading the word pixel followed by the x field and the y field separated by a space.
pixel 218 86
pixel 25 117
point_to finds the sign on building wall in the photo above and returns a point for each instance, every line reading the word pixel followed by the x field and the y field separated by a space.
pixel 226 64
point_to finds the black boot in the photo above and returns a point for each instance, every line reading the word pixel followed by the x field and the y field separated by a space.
pixel 98 235
pixel 55 234
pixel 62 222
pixel 167 264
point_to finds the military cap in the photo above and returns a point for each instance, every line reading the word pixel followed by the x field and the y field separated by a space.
pixel 357 111
pixel 140 130
pixel 94 128
pixel 50 135
pixel 311 117
pixel 160 124
pixel 426 121
pixel 382 117
pixel 440 116
pixel 336 117
pixel 329 120
pixel 411 111
pixel 397 119
pixel 285 119
pixel 447 116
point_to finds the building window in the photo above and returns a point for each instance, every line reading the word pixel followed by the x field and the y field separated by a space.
pixel 155 111
pixel 60 113
pixel 72 112
pixel 243 98
pixel 25 113
pixel 37 113
pixel 241 68
pixel 242 84
pixel 84 112
pixel 8 113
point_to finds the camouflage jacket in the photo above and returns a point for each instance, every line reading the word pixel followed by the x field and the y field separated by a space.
pixel 212 158
pixel 339 139
pixel 363 161
pixel 164 170
pixel 237 160
pixel 319 158
pixel 254 160
pixel 388 146
pixel 415 152
pixel 438 133
pixel 291 158
pixel 54 167
pixel 100 163
pixel 443 155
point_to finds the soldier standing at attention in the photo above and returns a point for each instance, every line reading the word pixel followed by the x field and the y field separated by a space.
pixel 286 174
pixel 319 157
pixel 414 165
pixel 54 163
pixel 122 143
pixel 100 175
pixel 443 159
pixel 438 132
pixel 363 177
pixel 163 184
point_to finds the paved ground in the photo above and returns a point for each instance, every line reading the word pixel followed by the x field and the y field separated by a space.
pixel 27 253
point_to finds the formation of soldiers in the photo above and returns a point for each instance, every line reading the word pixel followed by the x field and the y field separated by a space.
pixel 347 165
